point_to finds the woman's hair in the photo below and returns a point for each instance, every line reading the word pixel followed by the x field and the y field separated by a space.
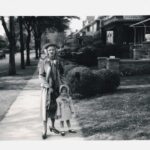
pixel 46 46
pixel 50 45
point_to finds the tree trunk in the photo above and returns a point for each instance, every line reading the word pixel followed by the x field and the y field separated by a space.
pixel 36 45
pixel 39 46
pixel 21 43
pixel 28 48
pixel 12 65
pixel 39 42
pixel 36 49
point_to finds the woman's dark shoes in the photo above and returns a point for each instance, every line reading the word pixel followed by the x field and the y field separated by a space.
pixel 63 133
pixel 44 136
pixel 54 130
pixel 72 131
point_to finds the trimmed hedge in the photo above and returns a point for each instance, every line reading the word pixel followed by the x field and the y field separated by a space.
pixel 68 67
pixel 80 80
pixel 87 83
pixel 107 80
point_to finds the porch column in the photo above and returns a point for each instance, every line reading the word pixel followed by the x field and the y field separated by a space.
pixel 144 32
pixel 134 36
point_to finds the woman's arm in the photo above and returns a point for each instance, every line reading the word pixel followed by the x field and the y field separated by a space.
pixel 61 72
pixel 58 113
pixel 42 74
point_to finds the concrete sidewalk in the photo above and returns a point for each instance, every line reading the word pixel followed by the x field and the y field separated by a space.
pixel 22 122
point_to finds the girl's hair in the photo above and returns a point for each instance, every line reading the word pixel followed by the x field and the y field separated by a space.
pixel 64 87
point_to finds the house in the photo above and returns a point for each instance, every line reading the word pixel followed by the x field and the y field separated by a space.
pixel 124 32
pixel 112 29
pixel 90 27
pixel 117 30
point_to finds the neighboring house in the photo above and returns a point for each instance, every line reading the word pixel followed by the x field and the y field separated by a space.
pixel 127 32
pixel 113 29
pixel 91 28
pixel 73 41
pixel 117 30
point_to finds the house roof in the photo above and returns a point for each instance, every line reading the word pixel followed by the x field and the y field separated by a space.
pixel 144 23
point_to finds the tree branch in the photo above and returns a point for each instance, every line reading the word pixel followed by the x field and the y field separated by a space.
pixel 25 25
pixel 5 28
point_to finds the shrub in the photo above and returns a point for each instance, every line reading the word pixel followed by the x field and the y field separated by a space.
pixel 87 40
pixel 65 53
pixel 88 83
pixel 81 80
pixel 97 44
pixel 68 67
pixel 86 56
pixel 107 80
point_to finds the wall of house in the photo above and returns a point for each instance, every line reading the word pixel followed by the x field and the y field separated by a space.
pixel 123 34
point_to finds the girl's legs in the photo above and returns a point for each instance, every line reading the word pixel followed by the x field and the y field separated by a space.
pixel 69 127
pixel 62 128
pixel 62 124
pixel 68 124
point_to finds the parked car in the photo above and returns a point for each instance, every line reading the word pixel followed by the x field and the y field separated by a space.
pixel 2 55
pixel 5 50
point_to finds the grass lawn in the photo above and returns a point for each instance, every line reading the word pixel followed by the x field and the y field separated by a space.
pixel 11 86
pixel 123 115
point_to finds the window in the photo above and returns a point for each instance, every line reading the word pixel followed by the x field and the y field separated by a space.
pixel 110 37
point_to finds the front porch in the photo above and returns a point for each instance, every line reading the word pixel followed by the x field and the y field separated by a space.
pixel 141 44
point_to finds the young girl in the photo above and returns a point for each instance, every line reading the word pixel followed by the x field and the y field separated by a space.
pixel 65 108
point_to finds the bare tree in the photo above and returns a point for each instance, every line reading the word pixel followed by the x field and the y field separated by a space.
pixel 10 33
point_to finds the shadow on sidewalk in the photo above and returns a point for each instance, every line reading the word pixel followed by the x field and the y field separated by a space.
pixel 11 86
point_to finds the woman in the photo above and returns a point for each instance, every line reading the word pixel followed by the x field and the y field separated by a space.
pixel 50 75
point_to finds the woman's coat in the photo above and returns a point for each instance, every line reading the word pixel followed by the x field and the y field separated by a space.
pixel 45 70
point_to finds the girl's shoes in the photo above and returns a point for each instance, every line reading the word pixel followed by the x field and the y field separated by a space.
pixel 62 133
pixel 72 131
pixel 54 130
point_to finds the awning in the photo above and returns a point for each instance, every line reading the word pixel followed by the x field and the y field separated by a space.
pixel 144 23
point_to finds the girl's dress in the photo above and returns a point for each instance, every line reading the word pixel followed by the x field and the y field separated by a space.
pixel 64 108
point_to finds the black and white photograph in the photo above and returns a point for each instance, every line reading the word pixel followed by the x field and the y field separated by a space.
pixel 75 77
